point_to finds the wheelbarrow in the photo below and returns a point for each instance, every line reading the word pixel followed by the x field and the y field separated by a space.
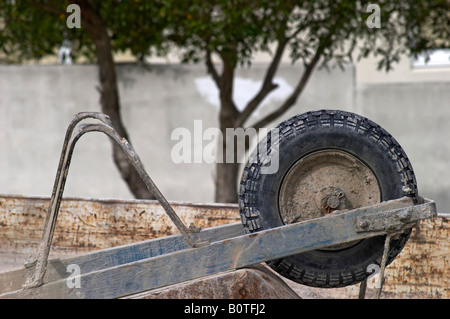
pixel 342 200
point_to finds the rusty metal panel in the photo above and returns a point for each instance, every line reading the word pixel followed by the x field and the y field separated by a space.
pixel 253 282
pixel 423 267
pixel 90 224
pixel 233 253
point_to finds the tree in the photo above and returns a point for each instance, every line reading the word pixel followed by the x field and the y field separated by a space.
pixel 33 29
pixel 315 32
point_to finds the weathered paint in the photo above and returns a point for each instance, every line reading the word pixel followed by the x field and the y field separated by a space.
pixel 232 253
pixel 106 258
pixel 91 224
pixel 253 282
pixel 422 268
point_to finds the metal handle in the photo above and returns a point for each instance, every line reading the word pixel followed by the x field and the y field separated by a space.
pixel 70 140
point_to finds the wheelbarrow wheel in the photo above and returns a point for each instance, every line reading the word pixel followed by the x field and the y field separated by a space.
pixel 327 160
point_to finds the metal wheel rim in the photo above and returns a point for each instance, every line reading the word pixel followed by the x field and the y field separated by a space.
pixel 313 185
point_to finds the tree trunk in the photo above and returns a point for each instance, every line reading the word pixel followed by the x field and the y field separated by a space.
pixel 226 182
pixel 110 102
pixel 227 173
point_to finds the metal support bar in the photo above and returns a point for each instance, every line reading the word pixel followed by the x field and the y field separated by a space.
pixel 61 176
pixel 380 279
pixel 393 221
pixel 389 221
pixel 118 255
pixel 362 289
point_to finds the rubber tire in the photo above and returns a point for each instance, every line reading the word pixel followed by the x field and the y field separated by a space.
pixel 300 136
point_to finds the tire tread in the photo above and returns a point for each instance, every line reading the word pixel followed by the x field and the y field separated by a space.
pixel 299 124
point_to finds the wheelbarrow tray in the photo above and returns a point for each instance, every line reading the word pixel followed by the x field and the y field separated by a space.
pixel 147 265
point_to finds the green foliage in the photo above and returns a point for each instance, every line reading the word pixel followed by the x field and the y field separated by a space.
pixel 232 29
pixel 27 32
pixel 237 29
pixel 31 29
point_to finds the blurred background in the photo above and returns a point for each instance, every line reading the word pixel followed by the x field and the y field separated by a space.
pixel 39 95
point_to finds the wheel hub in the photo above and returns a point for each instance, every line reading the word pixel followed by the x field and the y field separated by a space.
pixel 323 182
pixel 329 199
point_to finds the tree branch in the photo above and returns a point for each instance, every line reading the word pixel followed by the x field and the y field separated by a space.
pixel 90 21
pixel 228 108
pixel 211 69
pixel 267 86
pixel 290 101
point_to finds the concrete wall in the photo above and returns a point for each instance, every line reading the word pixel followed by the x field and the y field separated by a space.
pixel 403 72
pixel 418 116
pixel 38 102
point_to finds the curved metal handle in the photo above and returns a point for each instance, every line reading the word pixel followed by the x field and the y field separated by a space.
pixel 70 140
